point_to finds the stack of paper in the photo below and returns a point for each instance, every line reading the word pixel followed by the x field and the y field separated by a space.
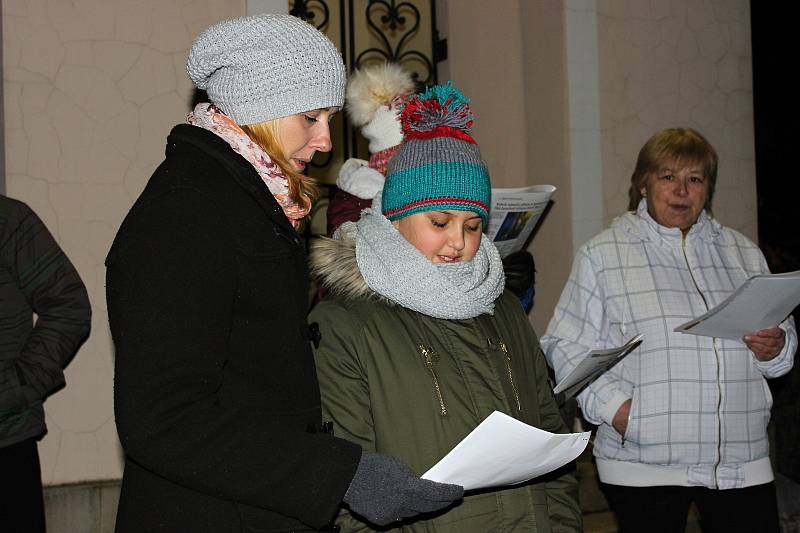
pixel 504 451
pixel 594 364
pixel 761 302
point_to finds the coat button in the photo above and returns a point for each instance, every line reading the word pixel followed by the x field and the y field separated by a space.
pixel 314 334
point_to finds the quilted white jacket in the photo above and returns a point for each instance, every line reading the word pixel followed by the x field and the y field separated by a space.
pixel 700 406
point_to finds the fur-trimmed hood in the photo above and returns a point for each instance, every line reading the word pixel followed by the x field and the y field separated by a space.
pixel 641 225
pixel 333 263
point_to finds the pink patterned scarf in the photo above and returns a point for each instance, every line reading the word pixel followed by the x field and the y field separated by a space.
pixel 209 117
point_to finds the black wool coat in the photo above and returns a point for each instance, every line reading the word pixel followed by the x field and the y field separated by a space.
pixel 216 395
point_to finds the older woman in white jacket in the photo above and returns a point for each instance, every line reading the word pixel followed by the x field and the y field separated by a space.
pixel 683 418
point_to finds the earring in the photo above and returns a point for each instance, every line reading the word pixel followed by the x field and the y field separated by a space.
pixel 644 193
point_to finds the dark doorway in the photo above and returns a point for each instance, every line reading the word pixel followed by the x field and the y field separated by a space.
pixel 777 139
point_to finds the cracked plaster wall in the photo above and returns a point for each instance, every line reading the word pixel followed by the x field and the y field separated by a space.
pixel 92 88
pixel 666 63
pixel 508 58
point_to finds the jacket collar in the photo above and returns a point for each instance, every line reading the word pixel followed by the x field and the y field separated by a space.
pixel 333 262
pixel 642 226
pixel 241 171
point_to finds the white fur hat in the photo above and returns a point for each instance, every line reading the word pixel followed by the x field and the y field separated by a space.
pixel 373 97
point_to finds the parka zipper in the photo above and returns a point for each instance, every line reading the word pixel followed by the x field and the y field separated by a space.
pixel 507 354
pixel 718 420
pixel 507 360
pixel 428 357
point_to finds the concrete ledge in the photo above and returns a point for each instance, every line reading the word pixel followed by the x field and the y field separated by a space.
pixel 83 507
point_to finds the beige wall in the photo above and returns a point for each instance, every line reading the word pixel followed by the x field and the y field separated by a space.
pixel 547 148
pixel 508 58
pixel 492 78
pixel 92 88
pixel 566 92
pixel 678 63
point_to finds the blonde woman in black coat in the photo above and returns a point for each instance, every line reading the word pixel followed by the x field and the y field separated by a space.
pixel 216 398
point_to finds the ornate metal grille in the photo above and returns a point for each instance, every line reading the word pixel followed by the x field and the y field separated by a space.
pixel 394 24
pixel 371 31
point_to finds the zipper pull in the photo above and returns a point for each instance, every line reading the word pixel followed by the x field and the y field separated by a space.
pixel 507 356
pixel 429 357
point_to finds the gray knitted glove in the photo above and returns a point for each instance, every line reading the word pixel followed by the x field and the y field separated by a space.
pixel 385 490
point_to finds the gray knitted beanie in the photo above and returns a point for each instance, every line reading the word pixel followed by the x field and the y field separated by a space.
pixel 265 67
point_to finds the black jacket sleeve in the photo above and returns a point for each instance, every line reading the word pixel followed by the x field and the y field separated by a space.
pixel 55 292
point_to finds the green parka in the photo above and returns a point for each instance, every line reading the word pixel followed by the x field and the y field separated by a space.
pixel 398 382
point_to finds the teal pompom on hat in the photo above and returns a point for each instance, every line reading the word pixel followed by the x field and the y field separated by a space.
pixel 439 166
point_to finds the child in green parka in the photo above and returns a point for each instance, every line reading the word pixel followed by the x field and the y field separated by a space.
pixel 419 341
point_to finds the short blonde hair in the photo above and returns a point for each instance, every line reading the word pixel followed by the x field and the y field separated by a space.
pixel 682 145
pixel 302 189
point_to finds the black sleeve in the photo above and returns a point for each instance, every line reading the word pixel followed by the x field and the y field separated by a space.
pixel 57 295
pixel 171 284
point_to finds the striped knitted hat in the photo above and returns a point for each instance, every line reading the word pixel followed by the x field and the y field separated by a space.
pixel 438 166
pixel 266 67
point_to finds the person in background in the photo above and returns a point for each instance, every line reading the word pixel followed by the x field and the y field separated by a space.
pixel 35 278
pixel 683 418
pixel 375 94
pixel 520 271
pixel 419 340
pixel 216 397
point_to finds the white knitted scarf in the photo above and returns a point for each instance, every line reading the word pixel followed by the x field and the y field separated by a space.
pixel 395 269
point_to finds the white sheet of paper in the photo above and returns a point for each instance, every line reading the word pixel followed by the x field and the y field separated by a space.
pixel 504 451
pixel 760 302
pixel 595 363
